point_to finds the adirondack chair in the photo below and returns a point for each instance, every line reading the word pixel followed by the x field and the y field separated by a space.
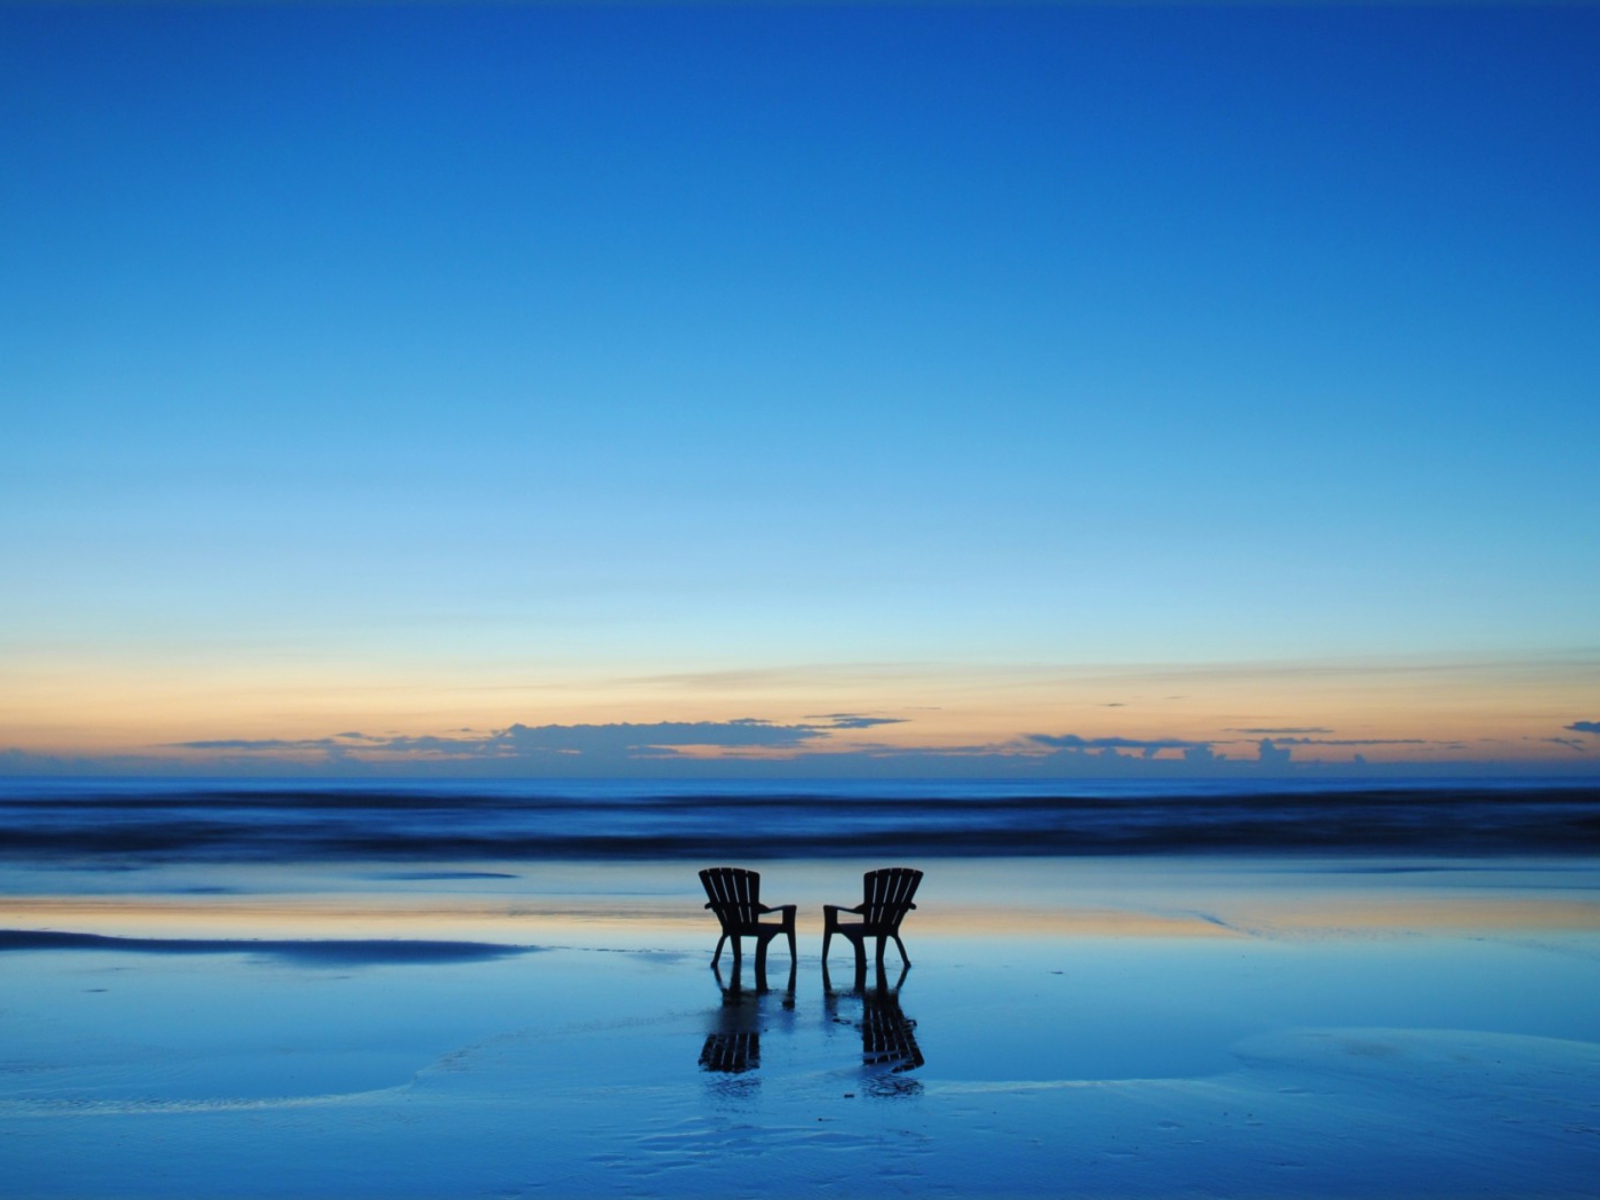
pixel 734 895
pixel 886 898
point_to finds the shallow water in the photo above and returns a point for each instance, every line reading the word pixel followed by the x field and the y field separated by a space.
pixel 1147 1026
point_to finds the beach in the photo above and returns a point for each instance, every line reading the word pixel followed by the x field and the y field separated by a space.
pixel 469 468
pixel 1225 1025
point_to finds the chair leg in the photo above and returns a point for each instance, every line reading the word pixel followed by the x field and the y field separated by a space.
pixel 827 936
pixel 904 957
pixel 717 957
pixel 881 941
pixel 738 949
pixel 761 955
pixel 793 957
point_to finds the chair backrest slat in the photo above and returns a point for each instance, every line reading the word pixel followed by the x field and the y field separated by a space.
pixel 735 895
pixel 887 896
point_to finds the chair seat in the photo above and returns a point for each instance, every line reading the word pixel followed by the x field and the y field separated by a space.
pixel 862 927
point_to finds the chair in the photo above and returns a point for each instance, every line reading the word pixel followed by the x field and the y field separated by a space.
pixel 886 898
pixel 734 895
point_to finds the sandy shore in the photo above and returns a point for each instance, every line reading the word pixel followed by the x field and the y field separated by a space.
pixel 1118 1027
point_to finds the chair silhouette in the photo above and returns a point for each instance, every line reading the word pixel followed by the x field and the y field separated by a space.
pixel 734 895
pixel 886 898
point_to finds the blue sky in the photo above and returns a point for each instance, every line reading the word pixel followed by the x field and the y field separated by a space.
pixel 401 370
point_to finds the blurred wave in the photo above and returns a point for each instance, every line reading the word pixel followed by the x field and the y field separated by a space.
pixel 163 820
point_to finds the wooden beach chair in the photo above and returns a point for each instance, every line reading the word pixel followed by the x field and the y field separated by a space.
pixel 734 895
pixel 886 898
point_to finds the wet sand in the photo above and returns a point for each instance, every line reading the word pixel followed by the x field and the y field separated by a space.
pixel 1114 1027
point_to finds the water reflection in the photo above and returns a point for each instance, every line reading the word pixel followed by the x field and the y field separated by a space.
pixel 889 1046
pixel 733 1046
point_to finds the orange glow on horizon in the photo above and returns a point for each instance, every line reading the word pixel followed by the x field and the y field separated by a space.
pixel 1387 711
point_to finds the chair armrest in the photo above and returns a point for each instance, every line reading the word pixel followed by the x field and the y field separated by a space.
pixel 783 908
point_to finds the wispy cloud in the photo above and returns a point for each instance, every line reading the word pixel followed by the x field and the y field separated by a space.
pixel 623 739
pixel 1317 741
pixel 792 676
pixel 615 739
pixel 341 741
pixel 1256 732
pixel 1585 727
pixel 855 720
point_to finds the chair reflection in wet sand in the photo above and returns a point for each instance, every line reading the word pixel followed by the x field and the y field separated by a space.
pixel 734 1044
pixel 886 898
pixel 734 895
pixel 888 1037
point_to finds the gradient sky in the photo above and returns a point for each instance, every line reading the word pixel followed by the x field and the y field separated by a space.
pixel 1161 374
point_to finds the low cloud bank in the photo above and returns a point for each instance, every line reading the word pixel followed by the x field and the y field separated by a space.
pixel 1149 747
pixel 821 746
pixel 624 738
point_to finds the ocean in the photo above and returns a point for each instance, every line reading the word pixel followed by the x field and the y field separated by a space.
pixel 326 819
